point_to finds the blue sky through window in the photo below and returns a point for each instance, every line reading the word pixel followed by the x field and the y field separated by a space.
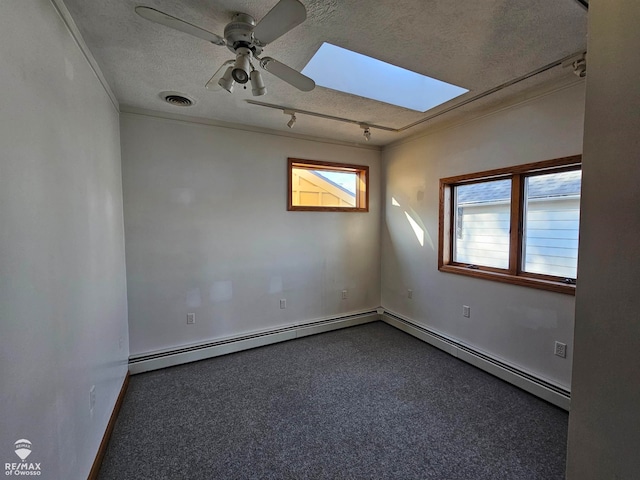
pixel 346 180
pixel 350 72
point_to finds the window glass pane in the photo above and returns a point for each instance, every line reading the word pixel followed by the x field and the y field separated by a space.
pixel 552 218
pixel 323 188
pixel 482 218
pixel 350 72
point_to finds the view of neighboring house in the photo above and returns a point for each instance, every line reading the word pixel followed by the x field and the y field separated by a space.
pixel 323 188
pixel 551 220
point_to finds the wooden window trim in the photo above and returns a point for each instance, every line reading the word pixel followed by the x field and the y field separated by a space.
pixel 513 274
pixel 362 190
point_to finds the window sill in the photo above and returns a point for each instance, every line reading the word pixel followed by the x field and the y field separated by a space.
pixel 295 208
pixel 553 286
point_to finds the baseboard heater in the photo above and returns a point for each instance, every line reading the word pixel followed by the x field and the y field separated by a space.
pixel 530 383
pixel 193 353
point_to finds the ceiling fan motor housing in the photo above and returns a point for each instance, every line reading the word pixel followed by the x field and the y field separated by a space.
pixel 239 34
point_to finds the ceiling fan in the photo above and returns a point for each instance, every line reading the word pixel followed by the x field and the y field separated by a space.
pixel 246 39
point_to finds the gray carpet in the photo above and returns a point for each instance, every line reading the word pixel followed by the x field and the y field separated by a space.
pixel 367 402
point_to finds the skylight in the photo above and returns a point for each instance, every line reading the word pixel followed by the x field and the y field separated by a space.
pixel 350 72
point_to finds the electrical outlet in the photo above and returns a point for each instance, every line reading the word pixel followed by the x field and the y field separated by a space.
pixel 92 398
pixel 409 293
pixel 120 343
pixel 561 349
pixel 191 318
pixel 283 303
pixel 466 311
pixel 344 294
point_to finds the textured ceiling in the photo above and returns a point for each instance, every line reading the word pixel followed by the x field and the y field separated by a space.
pixel 477 44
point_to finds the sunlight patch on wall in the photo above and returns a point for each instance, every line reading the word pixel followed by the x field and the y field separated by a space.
pixel 416 229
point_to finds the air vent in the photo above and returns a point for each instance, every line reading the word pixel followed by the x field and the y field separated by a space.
pixel 177 99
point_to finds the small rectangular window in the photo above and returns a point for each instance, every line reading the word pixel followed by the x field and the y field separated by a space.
pixel 515 225
pixel 326 186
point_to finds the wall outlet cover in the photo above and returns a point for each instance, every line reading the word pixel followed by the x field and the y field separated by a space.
pixel 561 349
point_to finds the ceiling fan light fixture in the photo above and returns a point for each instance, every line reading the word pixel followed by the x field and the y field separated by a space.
pixel 246 38
pixel 226 81
pixel 242 66
pixel 257 85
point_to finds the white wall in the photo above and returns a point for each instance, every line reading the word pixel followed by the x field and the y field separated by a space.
pixel 604 425
pixel 63 305
pixel 208 232
pixel 515 324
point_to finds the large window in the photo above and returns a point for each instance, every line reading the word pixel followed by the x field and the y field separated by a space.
pixel 516 225
pixel 325 186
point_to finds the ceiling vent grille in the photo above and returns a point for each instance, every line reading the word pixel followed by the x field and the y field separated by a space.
pixel 177 99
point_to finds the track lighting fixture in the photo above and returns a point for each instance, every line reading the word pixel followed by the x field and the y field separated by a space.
pixel 226 81
pixel 580 67
pixel 257 85
pixel 367 131
pixel 293 119
pixel 578 64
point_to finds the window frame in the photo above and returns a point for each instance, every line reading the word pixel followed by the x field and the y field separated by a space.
pixel 362 184
pixel 514 273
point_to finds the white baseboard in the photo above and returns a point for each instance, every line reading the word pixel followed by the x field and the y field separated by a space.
pixel 193 353
pixel 498 368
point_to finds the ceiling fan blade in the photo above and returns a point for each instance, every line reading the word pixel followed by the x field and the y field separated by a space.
pixel 280 19
pixel 212 84
pixel 168 21
pixel 287 74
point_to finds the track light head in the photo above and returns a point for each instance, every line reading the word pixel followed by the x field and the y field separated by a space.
pixel 367 131
pixel 291 122
pixel 580 67
pixel 226 81
pixel 578 64
pixel 257 85
pixel 242 66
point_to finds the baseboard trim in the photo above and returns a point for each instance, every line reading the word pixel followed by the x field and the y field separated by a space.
pixel 527 382
pixel 509 373
pixel 102 449
pixel 170 358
